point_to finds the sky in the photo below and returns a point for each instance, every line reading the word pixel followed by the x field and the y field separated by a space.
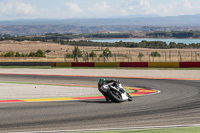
pixel 68 9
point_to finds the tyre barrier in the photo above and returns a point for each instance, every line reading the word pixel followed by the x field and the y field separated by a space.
pixel 189 64
pixel 128 64
pixel 25 63
pixel 82 64
pixel 133 64
pixel 107 64
pixel 164 64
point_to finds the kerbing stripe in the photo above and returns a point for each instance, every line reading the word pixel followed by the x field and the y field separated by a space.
pixel 138 92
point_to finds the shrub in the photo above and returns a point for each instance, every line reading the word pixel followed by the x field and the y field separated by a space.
pixel 69 56
pixel 140 55
pixel 24 55
pixel 2 55
pixel 17 54
pixel 32 54
pixel 10 54
pixel 48 51
pixel 40 53
pixel 101 55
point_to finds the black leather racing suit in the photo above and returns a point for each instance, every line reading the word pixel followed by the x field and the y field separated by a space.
pixel 102 90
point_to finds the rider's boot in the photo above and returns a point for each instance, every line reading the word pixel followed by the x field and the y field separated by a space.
pixel 107 99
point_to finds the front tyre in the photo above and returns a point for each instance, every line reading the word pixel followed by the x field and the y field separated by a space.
pixel 115 96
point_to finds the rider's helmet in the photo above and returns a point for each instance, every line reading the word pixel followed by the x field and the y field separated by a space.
pixel 101 80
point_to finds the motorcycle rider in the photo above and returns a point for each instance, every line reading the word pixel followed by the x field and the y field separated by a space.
pixel 103 86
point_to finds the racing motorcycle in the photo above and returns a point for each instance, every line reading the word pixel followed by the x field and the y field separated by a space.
pixel 114 91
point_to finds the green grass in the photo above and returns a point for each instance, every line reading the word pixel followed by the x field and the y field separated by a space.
pixel 122 68
pixel 164 130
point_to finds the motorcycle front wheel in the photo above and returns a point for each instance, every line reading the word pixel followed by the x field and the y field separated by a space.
pixel 115 96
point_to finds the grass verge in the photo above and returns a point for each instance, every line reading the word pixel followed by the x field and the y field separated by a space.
pixel 164 130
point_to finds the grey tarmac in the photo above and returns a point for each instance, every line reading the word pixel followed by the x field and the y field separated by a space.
pixel 177 104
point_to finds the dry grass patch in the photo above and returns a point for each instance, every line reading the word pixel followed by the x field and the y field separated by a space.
pixel 123 54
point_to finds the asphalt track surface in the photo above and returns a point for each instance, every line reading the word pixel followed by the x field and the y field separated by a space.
pixel 177 104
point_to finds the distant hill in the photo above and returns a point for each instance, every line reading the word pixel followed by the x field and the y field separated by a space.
pixel 185 20
pixel 130 23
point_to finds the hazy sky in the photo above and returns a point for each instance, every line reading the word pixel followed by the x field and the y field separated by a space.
pixel 64 9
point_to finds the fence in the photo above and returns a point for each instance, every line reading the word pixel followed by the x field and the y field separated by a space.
pixel 118 55
pixel 141 56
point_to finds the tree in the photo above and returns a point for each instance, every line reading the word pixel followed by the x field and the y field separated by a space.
pixel 77 52
pixel 172 45
pixel 155 54
pixel 107 52
pixel 92 54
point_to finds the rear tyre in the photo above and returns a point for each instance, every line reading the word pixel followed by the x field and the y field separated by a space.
pixel 115 96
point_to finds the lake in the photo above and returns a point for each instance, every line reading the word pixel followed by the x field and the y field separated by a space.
pixel 187 41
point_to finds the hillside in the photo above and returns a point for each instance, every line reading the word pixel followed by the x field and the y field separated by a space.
pixel 184 20
pixel 42 26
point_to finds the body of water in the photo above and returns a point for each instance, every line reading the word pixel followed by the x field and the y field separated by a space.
pixel 186 41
